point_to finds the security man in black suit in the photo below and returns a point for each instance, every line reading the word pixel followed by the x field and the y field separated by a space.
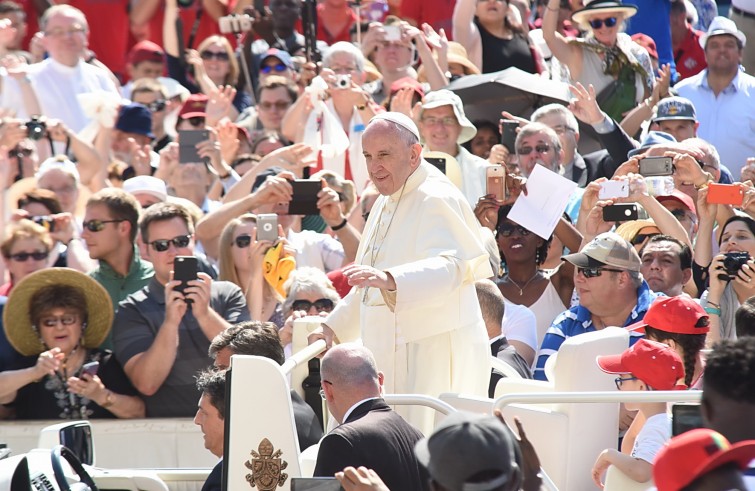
pixel 370 434
pixel 210 418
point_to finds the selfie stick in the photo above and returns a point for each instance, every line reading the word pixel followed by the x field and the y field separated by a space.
pixel 245 65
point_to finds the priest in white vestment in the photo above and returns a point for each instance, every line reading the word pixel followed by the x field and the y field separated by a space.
pixel 415 304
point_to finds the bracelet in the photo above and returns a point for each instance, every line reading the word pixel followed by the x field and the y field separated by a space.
pixel 108 400
pixel 714 304
pixel 339 226
pixel 713 311
pixel 707 181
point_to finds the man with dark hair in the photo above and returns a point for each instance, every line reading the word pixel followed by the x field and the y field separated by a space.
pixel 162 332
pixel 17 16
pixel 210 418
pixel 666 264
pixel 745 318
pixel 261 339
pixel 370 433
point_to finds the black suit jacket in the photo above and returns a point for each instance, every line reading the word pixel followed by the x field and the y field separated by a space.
pixel 308 427
pixel 378 438
pixel 213 482
pixel 603 163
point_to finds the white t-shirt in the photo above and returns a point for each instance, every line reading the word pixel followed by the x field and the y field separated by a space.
pixel 520 324
pixel 320 251
pixel 654 434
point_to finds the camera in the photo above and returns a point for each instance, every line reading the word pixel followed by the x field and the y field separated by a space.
pixel 46 221
pixel 35 128
pixel 342 82
pixel 234 24
pixel 733 262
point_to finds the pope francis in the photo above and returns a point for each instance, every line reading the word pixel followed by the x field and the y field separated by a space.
pixel 415 304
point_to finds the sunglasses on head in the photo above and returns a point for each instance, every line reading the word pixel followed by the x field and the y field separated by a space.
pixel 220 55
pixel 157 106
pixel 280 67
pixel 640 238
pixel 163 245
pixel 543 148
pixel 596 271
pixel 243 241
pixel 322 305
pixel 22 257
pixel 507 230
pixel 598 23
pixel 98 225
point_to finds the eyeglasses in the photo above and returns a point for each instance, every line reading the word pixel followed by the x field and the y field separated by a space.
pixel 560 129
pixel 65 319
pixel 59 33
pixel 21 152
pixel 22 257
pixel 596 271
pixel 447 121
pixel 618 381
pixel 640 238
pixel 243 241
pixel 163 245
pixel 322 391
pixel 280 67
pixel 508 229
pixel 157 106
pixel 322 305
pixel 344 70
pixel 218 55
pixel 98 225
pixel 195 121
pixel 542 148
pixel 598 23
pixel 279 105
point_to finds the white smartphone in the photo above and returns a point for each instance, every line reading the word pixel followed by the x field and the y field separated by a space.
pixel 613 189
pixel 392 33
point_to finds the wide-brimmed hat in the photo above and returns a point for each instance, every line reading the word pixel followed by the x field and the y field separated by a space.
pixel 721 26
pixel 457 53
pixel 17 320
pixel 603 7
pixel 443 97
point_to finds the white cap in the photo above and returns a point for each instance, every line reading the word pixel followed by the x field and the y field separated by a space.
pixel 400 119
pixel 60 162
pixel 720 26
pixel 147 185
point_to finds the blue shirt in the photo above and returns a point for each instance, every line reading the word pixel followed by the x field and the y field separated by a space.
pixel 652 18
pixel 578 320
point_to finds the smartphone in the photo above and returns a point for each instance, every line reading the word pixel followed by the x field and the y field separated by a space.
pixel 267 227
pixel 187 145
pixel 508 134
pixel 259 6
pixel 439 162
pixel 392 33
pixel 496 182
pixel 685 417
pixel 725 194
pixel 185 270
pixel 622 212
pixel 90 368
pixel 304 201
pixel 656 166
pixel 613 189
pixel 315 484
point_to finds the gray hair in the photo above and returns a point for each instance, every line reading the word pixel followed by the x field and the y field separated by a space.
pixel 571 121
pixel 707 148
pixel 535 128
pixel 307 280
pixel 62 9
pixel 346 48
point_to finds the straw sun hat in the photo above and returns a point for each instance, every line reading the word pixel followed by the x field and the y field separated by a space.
pixel 17 320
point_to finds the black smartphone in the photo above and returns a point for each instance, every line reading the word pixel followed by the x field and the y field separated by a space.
pixel 508 134
pixel 185 270
pixel 259 6
pixel 267 227
pixel 187 145
pixel 685 417
pixel 304 200
pixel 656 166
pixel 315 484
pixel 438 162
pixel 622 212
pixel 90 368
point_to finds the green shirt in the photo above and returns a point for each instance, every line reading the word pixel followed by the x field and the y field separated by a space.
pixel 119 287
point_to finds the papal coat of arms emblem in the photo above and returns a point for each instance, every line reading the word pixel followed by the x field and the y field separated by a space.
pixel 267 467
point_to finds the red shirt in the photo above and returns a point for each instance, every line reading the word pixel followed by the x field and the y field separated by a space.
pixel 108 30
pixel 324 35
pixel 207 26
pixel 690 56
pixel 437 13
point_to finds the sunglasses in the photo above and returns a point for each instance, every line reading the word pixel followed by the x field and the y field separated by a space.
pixel 279 105
pixel 22 257
pixel 280 67
pixel 21 152
pixel 163 245
pixel 596 271
pixel 507 230
pixel 195 121
pixel 243 241
pixel 598 23
pixel 543 148
pixel 618 381
pixel 98 225
pixel 322 305
pixel 157 106
pixel 679 214
pixel 65 319
pixel 219 55
pixel 640 238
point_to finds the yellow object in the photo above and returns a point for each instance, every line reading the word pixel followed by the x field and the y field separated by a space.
pixel 277 268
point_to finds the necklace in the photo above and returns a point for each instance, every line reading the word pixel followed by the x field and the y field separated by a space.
pixel 521 288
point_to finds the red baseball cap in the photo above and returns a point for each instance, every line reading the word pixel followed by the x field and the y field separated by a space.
pixel 146 51
pixel 680 315
pixel 681 197
pixel 194 107
pixel 654 363
pixel 646 42
pixel 408 82
pixel 693 454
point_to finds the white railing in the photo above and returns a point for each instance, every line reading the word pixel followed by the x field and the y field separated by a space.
pixel 598 397
pixel 419 400
pixel 303 356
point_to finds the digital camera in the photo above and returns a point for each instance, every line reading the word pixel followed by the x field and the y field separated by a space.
pixel 46 221
pixel 342 82
pixel 733 262
pixel 35 128
pixel 234 24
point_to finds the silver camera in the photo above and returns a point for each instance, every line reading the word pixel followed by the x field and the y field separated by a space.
pixel 342 82
pixel 235 24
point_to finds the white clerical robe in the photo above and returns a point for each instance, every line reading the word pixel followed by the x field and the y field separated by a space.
pixel 428 336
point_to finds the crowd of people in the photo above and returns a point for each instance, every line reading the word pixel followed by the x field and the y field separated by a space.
pixel 291 176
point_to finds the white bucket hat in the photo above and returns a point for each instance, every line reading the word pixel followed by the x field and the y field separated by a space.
pixel 443 97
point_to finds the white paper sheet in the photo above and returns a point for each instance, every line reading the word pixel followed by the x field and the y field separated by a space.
pixel 547 196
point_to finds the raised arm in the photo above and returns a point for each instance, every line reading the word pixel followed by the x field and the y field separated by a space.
pixel 465 32
pixel 568 54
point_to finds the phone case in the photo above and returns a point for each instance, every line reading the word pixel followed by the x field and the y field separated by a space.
pixel 304 201
pixel 508 137
pixel 496 182
pixel 267 227
pixel 621 212
pixel 613 189
pixel 438 162
pixel 656 166
pixel 187 150
pixel 725 194
pixel 184 269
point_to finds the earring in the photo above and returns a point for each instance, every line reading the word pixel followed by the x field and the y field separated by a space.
pixel 537 256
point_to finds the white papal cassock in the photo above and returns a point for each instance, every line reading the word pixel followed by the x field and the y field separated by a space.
pixel 428 336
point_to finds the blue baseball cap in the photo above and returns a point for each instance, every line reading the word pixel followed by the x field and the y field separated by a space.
pixel 135 118
pixel 653 138
pixel 281 55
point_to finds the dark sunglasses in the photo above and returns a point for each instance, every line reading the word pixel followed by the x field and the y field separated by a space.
pixel 195 121
pixel 322 305
pixel 598 23
pixel 596 271
pixel 157 106
pixel 507 230
pixel 640 238
pixel 280 67
pixel 537 148
pixel 163 245
pixel 22 257
pixel 98 225
pixel 240 161
pixel 279 105
pixel 220 55
pixel 21 152
pixel 679 214
pixel 243 241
